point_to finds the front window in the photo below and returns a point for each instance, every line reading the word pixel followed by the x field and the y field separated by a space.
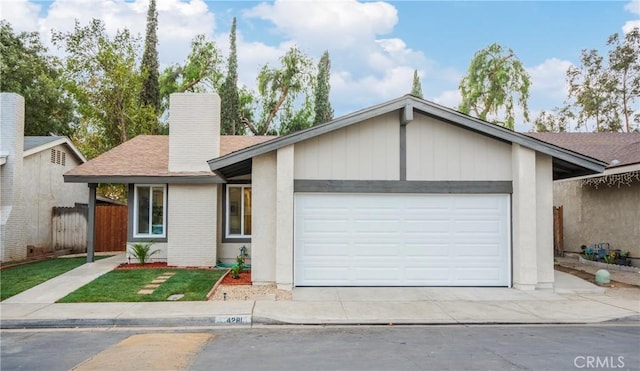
pixel 150 211
pixel 238 211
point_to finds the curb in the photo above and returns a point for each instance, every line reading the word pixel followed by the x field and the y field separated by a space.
pixel 213 321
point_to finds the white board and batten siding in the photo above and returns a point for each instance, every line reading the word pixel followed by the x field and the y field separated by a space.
pixel 440 151
pixel 364 151
pixel 401 240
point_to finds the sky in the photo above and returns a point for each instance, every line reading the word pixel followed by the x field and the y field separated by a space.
pixel 374 46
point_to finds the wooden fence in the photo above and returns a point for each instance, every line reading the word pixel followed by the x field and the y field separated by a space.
pixel 558 236
pixel 69 225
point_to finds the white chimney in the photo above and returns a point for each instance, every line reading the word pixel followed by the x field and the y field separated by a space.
pixel 13 243
pixel 194 131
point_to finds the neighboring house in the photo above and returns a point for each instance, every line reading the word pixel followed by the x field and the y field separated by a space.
pixel 32 182
pixel 601 207
pixel 405 193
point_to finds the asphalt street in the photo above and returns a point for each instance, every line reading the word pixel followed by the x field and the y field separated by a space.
pixel 548 347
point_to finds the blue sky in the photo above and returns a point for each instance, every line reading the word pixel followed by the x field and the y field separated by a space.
pixel 374 46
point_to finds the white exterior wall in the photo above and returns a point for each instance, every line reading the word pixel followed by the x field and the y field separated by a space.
pixel 544 220
pixel 284 217
pixel 263 239
pixel 440 151
pixel 194 135
pixel 524 218
pixel 364 151
pixel 46 189
pixel 13 226
pixel 191 224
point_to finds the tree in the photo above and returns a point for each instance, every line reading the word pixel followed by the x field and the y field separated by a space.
pixel 557 121
pixel 229 96
pixel 322 108
pixel 26 69
pixel 150 94
pixel 199 73
pixel 278 88
pixel 102 77
pixel 602 92
pixel 624 62
pixel 495 78
pixel 416 88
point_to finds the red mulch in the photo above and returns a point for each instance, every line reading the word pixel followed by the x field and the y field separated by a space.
pixel 154 265
pixel 245 279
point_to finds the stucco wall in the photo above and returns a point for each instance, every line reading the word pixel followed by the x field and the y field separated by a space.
pixel 604 214
pixel 544 220
pixel 364 151
pixel 263 240
pixel 191 229
pixel 45 188
pixel 440 151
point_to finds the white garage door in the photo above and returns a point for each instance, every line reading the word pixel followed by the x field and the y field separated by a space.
pixel 344 239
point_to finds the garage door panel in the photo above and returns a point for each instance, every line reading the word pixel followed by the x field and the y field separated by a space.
pixel 401 240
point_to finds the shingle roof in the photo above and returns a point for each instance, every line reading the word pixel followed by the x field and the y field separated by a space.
pixel 148 155
pixel 607 147
pixel 566 163
pixel 33 142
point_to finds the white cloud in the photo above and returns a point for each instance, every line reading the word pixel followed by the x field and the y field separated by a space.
pixel 548 79
pixel 22 14
pixel 334 25
pixel 632 7
pixel 179 21
pixel 449 98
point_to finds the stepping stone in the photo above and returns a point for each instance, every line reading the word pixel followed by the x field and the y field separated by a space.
pixel 168 273
pixel 157 280
pixel 152 286
pixel 145 292
pixel 175 297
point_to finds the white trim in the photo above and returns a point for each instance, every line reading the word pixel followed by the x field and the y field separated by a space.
pixel 227 207
pixel 54 143
pixel 164 211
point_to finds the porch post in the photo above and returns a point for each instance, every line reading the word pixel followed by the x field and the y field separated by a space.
pixel 91 221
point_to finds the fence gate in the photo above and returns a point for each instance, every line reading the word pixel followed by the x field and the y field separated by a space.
pixel 558 236
pixel 111 228
pixel 69 228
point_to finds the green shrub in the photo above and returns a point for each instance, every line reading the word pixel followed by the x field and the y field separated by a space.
pixel 142 251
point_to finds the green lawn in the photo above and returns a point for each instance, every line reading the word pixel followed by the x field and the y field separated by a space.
pixel 123 286
pixel 17 279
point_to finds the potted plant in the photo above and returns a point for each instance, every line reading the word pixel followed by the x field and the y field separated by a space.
pixel 589 253
pixel 622 258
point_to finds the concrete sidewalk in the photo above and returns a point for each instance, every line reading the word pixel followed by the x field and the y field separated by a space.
pixel 574 301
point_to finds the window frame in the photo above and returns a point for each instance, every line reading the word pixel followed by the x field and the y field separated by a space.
pixel 135 233
pixel 228 237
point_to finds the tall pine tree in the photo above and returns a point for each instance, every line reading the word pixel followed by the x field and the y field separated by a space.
pixel 150 93
pixel 323 110
pixel 416 89
pixel 229 97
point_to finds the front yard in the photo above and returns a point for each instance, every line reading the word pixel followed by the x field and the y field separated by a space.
pixel 15 280
pixel 125 285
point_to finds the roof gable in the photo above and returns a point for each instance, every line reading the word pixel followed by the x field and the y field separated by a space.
pixel 35 144
pixel 566 162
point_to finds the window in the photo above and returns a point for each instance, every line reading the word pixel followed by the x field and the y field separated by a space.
pixel 238 210
pixel 150 211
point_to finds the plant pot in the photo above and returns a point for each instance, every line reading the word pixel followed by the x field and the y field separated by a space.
pixel 622 261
